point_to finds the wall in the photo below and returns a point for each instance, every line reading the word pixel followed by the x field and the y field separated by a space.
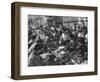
pixel 5 40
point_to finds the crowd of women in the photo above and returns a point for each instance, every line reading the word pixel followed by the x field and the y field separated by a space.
pixel 58 44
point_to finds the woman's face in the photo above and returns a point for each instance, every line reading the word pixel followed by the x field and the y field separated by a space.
pixel 44 55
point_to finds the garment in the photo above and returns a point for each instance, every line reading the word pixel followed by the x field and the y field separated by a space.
pixel 35 61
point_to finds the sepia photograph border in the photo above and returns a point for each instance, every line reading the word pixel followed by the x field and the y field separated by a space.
pixel 15 40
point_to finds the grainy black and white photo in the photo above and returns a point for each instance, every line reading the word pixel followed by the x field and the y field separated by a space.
pixel 57 40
